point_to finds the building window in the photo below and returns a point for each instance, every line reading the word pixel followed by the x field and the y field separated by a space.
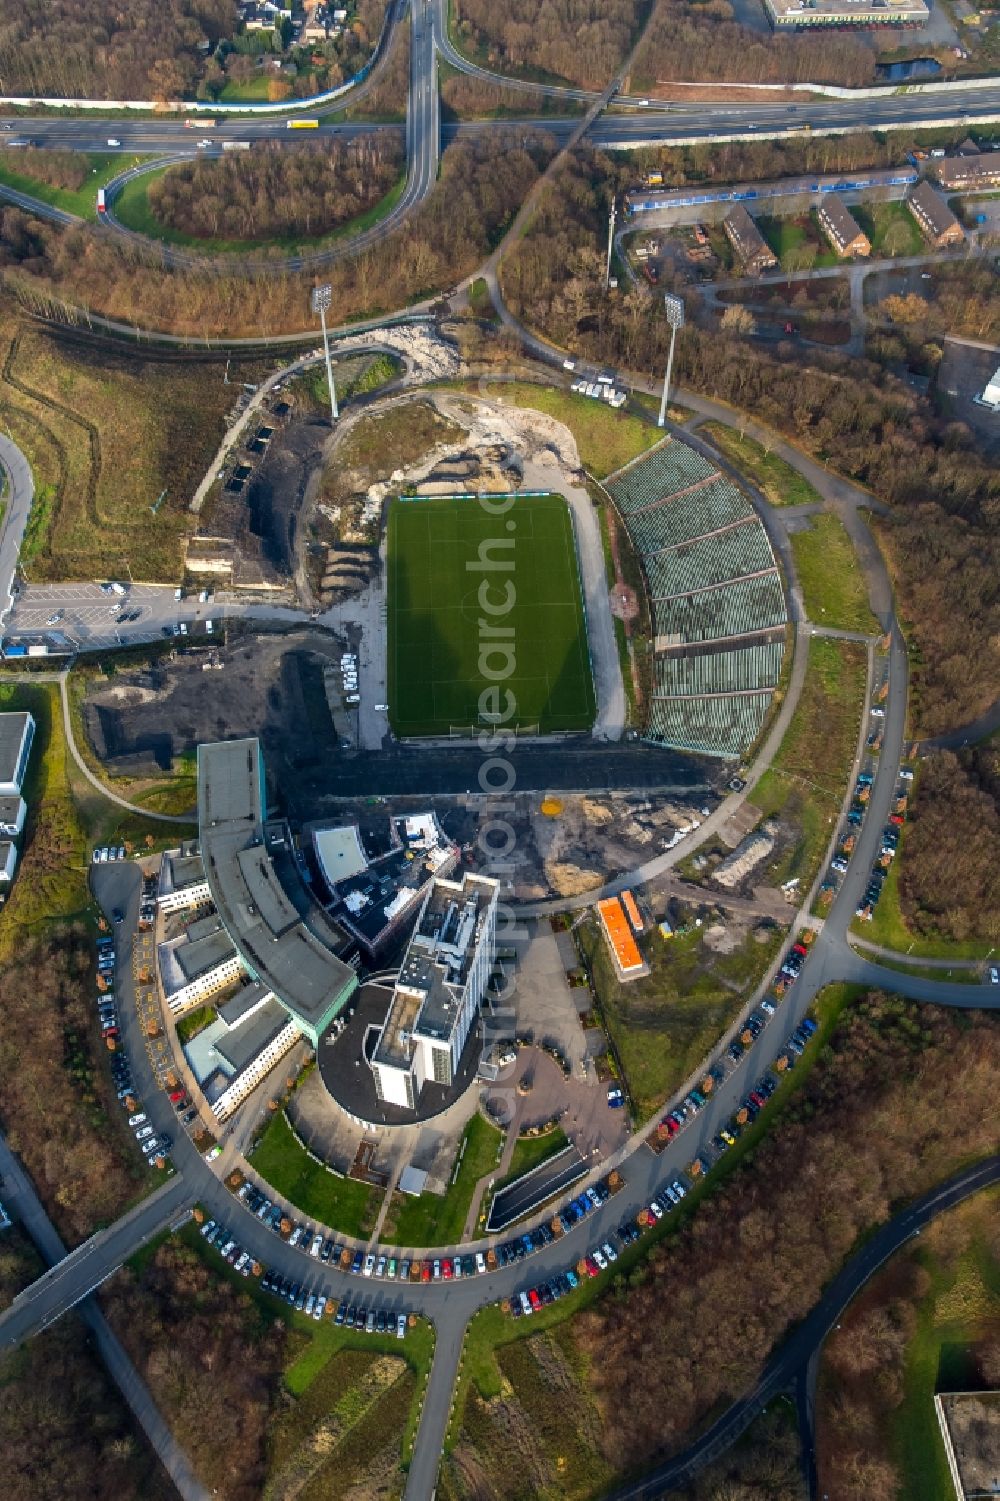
pixel 442 1065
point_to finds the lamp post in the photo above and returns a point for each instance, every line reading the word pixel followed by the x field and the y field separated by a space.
pixel 611 241
pixel 321 299
pixel 675 317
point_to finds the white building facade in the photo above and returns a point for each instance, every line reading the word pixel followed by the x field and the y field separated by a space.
pixel 441 984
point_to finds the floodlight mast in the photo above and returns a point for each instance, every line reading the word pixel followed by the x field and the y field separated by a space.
pixel 611 242
pixel 321 299
pixel 675 317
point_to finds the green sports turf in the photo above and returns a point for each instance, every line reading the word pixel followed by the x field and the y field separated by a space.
pixel 434 615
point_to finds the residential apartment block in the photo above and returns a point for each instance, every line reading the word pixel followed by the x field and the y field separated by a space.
pixel 752 250
pixel 937 222
pixel 842 229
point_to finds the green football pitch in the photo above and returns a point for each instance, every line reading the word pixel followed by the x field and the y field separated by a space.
pixel 443 645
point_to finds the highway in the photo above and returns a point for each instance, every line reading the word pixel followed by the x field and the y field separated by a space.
pixel 657 125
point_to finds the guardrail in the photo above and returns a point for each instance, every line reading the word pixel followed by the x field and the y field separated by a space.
pixel 207 106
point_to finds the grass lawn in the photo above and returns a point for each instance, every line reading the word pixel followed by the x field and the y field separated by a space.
pixel 484 1372
pixel 440 659
pixel 954 1305
pixel 436 1219
pixel 196 1021
pixel 362 1390
pixel 51 879
pixel 960 1256
pixel 786 236
pixel 780 483
pixel 530 1152
pixel 341 1203
pixel 81 201
pixel 132 207
pixel 890 227
pixel 805 785
pixel 833 586
pixel 663 1024
pixel 605 438
pixel 254 89
pixel 480 301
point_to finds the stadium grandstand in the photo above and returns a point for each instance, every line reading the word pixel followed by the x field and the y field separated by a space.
pixel 716 598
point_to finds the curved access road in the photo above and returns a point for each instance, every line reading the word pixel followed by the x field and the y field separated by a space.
pixel 447 49
pixel 423 144
pixel 795 1353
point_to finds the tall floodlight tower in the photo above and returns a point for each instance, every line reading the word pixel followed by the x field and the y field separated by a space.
pixel 675 317
pixel 321 299
pixel 611 242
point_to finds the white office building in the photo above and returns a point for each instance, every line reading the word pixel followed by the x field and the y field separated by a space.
pixel 13 811
pixel 197 965
pixel 183 884
pixel 17 731
pixel 441 984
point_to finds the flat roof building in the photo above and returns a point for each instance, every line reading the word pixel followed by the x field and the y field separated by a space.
pixel 200 963
pixel 795 14
pixel 339 853
pixel 182 883
pixel 441 983
pixel 970 174
pixel 991 393
pixel 230 1061
pixel 13 811
pixel 752 250
pixel 281 933
pixel 628 961
pixel 842 229
pixel 937 222
pixel 17 732
pixel 8 862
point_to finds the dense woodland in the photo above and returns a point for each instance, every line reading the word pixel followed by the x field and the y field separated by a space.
pixel 56 1094
pixel 962 299
pixel 212 1361
pixel 869 1361
pixel 386 98
pixel 145 49
pixel 58 169
pixel 764 1465
pixel 716 1297
pixel 65 1430
pixel 943 532
pixel 467 96
pixel 480 186
pixel 273 192
pixel 756 161
pixel 690 40
pixel 584 41
pixel 950 876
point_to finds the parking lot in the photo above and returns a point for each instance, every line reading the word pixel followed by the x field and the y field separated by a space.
pixel 91 617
